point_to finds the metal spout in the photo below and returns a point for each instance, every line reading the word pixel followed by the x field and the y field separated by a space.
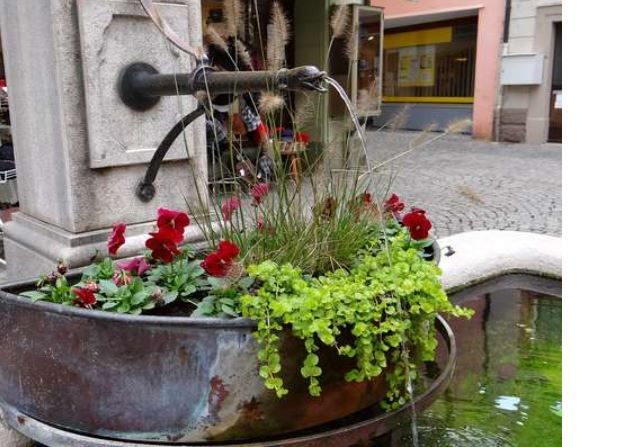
pixel 140 85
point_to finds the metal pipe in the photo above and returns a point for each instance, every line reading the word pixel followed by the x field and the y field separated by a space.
pixel 140 85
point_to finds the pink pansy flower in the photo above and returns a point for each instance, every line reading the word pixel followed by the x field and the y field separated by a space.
pixel 229 207
pixel 138 265
pixel 259 191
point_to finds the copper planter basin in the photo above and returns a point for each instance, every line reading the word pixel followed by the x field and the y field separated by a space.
pixel 152 378
pixel 159 379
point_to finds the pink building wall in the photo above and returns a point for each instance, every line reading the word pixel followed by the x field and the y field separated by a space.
pixel 490 30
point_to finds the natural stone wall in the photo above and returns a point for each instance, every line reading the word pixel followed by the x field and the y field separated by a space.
pixel 512 124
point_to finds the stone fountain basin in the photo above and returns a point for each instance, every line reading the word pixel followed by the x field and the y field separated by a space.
pixel 153 378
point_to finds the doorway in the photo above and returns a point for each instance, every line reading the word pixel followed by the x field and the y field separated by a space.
pixel 555 109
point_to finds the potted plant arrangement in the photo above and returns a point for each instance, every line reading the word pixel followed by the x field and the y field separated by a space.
pixel 339 301
pixel 309 301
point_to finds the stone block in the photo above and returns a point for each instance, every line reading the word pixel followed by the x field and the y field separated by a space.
pixel 112 35
pixel 513 116
pixel 514 133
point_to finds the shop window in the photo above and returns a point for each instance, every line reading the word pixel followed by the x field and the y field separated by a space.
pixel 355 62
pixel 431 64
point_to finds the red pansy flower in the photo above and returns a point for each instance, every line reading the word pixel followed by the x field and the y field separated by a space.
pixel 229 206
pixel 85 297
pixel 302 137
pixel 259 191
pixel 162 245
pixel 393 205
pixel 116 238
pixel 417 224
pixel 174 221
pixel 228 250
pixel 136 265
pixel 219 262
pixel 215 265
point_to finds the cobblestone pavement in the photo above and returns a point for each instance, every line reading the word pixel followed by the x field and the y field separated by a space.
pixel 465 184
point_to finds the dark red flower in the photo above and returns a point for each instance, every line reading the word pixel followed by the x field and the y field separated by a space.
pixel 229 206
pixel 136 265
pixel 174 221
pixel 417 224
pixel 228 250
pixel 116 238
pixel 367 198
pixel 302 137
pixel 219 262
pixel 215 265
pixel 85 297
pixel 163 246
pixel 393 205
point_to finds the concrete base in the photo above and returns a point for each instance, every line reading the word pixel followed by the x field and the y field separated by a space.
pixel 34 247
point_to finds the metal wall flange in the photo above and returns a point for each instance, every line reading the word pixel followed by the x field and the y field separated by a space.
pixel 128 81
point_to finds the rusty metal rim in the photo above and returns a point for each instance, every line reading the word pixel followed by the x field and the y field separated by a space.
pixel 377 426
pixel 207 323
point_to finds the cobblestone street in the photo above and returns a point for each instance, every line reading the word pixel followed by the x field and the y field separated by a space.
pixel 466 184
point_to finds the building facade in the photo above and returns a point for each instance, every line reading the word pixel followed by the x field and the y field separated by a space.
pixel 530 103
pixel 441 63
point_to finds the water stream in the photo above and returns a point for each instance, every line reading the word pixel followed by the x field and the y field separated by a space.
pixel 412 438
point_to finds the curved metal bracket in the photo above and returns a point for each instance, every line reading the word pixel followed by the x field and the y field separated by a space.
pixel 146 189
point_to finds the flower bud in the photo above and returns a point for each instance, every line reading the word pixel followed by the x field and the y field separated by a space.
pixel 91 286
pixel 61 268
pixel 158 296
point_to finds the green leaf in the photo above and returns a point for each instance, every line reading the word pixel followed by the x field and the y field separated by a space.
pixel 169 297
pixel 90 272
pixel 148 306
pixel 217 283
pixel 108 287
pixel 35 295
pixel 229 310
pixel 123 308
pixel 109 305
pixel 139 297
pixel 246 282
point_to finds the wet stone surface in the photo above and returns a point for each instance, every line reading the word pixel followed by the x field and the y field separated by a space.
pixel 465 184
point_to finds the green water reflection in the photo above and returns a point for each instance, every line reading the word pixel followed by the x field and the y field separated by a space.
pixel 507 386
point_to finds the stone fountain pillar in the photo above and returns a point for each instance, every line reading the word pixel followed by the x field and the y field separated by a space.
pixel 80 152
